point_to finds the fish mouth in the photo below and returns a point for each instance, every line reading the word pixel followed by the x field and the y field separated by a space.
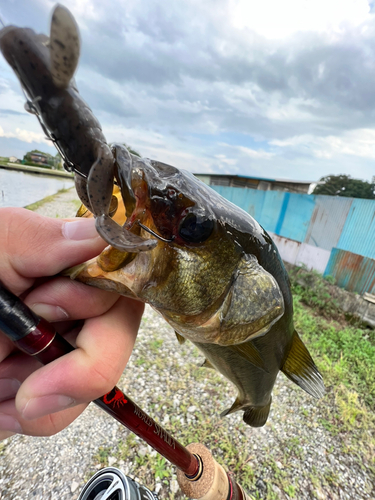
pixel 137 177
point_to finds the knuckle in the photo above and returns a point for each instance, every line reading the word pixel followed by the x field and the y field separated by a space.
pixel 104 376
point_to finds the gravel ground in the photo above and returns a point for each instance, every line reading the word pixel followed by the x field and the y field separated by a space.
pixel 64 204
pixel 293 456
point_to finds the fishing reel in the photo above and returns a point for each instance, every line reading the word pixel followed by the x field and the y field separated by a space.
pixel 111 484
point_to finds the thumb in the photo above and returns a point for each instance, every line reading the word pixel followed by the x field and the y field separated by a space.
pixel 33 246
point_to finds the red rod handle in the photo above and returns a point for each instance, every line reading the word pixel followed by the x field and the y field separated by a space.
pixel 45 344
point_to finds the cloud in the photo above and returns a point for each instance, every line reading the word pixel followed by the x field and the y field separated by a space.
pixel 359 143
pixel 252 153
pixel 292 82
pixel 320 15
pixel 25 136
pixel 6 112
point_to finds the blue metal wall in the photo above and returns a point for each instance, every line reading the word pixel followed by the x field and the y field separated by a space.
pixel 321 221
pixel 358 234
pixel 295 215
pixel 329 222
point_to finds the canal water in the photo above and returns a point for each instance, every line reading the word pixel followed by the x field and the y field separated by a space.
pixel 18 189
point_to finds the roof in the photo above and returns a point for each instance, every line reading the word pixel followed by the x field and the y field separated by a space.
pixel 255 178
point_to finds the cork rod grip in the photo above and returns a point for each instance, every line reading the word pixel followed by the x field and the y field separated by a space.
pixel 213 484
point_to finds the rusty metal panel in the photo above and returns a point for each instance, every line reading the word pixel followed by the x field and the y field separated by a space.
pixel 327 221
pixel 351 271
pixel 358 234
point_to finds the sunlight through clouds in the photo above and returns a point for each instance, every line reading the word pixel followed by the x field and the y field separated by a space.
pixel 275 19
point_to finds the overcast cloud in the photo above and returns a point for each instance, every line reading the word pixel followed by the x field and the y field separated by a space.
pixel 282 89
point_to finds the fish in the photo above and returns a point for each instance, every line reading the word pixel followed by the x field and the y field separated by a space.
pixel 203 263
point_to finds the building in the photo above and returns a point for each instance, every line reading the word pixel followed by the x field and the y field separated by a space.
pixel 13 159
pixel 40 158
pixel 261 183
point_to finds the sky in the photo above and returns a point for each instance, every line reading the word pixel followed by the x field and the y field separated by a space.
pixel 268 89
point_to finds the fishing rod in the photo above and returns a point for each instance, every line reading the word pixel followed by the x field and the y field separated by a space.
pixel 198 474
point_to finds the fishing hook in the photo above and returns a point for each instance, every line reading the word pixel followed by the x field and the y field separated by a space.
pixel 155 234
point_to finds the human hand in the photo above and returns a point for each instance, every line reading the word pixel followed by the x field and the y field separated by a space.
pixel 42 400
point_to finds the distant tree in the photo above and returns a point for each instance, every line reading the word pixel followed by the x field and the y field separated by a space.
pixel 58 161
pixel 131 150
pixel 344 185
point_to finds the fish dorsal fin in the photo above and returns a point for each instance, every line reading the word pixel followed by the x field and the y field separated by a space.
pixel 301 369
pixel 207 364
pixel 64 46
pixel 180 338
pixel 249 352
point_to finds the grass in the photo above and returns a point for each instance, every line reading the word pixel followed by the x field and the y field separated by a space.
pixel 347 351
pixel 345 355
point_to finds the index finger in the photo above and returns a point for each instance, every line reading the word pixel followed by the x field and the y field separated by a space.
pixel 32 246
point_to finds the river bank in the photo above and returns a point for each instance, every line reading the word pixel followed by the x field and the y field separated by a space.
pixel 36 170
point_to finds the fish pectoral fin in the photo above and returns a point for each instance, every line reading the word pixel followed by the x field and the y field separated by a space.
pixel 207 364
pixel 249 352
pixel 180 338
pixel 301 369
pixel 256 416
pixel 64 46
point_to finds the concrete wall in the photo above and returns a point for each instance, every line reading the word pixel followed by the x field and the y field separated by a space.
pixel 301 254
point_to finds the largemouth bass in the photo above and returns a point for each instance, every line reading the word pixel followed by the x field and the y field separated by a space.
pixel 204 264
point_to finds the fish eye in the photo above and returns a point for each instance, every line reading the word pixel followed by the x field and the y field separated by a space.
pixel 195 229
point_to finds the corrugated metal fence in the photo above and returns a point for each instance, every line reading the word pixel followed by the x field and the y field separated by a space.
pixel 331 234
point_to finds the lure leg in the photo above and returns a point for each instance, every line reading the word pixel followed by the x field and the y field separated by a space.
pixel 100 188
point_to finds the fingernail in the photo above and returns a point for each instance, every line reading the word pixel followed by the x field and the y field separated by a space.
pixel 8 388
pixel 50 312
pixel 39 407
pixel 8 423
pixel 81 229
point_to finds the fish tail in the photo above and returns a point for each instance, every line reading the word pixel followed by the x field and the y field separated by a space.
pixel 301 369
pixel 256 416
